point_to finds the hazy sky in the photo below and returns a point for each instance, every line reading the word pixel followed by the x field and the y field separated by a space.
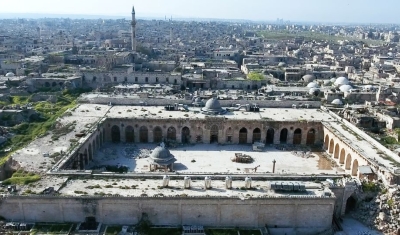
pixel 360 11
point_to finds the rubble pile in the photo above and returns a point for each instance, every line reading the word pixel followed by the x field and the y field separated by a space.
pixel 381 212
pixel 134 152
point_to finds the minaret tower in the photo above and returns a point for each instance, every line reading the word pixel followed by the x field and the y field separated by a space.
pixel 133 26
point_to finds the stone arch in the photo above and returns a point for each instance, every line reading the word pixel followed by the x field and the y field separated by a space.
pixel 348 162
pixel 243 136
pixel 90 154
pixel 171 134
pixel 336 154
pixel 342 155
pixel 297 136
pixel 354 169
pixel 115 134
pixel 326 142
pixel 283 136
pixel 129 134
pixel 214 134
pixel 331 146
pixel 144 134
pixel 351 203
pixel 157 135
pixel 256 135
pixel 270 136
pixel 310 137
pixel 185 137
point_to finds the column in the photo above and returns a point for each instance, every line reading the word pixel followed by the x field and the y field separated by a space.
pixel 122 133
pixel 151 135
pixel 249 136
pixel 290 136
pixel 304 136
pixel 277 135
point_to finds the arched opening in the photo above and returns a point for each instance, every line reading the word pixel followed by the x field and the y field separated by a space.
pixel 115 134
pixel 171 134
pixel 336 154
pixel 144 134
pixel 270 136
pixel 256 135
pixel 326 142
pixel 129 134
pixel 354 169
pixel 310 137
pixel 214 134
pixel 157 134
pixel 243 136
pixel 185 135
pixel 297 136
pixel 283 136
pixel 351 204
pixel 348 162
pixel 331 145
pixel 90 157
pixel 342 154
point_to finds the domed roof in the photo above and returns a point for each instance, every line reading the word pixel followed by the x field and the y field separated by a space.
pixel 308 78
pixel 333 80
pixel 312 85
pixel 213 107
pixel 342 81
pixel 281 64
pixel 162 156
pixel 337 102
pixel 314 91
pixel 345 88
pixel 10 74
pixel 327 82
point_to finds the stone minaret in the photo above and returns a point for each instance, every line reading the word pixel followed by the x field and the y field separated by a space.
pixel 133 26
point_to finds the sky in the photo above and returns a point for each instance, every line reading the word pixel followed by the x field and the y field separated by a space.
pixel 334 11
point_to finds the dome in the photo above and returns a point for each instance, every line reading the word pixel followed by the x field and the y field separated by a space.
pixel 333 80
pixel 10 74
pixel 213 107
pixel 308 78
pixel 314 91
pixel 342 81
pixel 345 88
pixel 281 64
pixel 327 82
pixel 312 85
pixel 337 102
pixel 162 156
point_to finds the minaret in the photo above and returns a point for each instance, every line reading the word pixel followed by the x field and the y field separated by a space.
pixel 133 26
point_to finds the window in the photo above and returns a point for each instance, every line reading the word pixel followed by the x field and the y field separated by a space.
pixel 167 79
pixel 146 79
pixel 136 79
pixel 229 139
pixel 94 78
pixel 156 79
pixel 175 81
pixel 125 79
pixel 115 79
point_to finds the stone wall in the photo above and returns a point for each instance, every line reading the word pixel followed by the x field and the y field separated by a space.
pixel 305 214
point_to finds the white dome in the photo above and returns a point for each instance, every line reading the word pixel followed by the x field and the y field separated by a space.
pixel 342 81
pixel 327 82
pixel 312 85
pixel 333 80
pixel 337 102
pixel 308 78
pixel 10 74
pixel 345 88
pixel 314 91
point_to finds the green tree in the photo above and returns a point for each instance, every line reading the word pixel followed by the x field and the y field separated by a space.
pixel 255 76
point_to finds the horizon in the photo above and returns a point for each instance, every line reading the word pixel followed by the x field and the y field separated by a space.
pixel 306 11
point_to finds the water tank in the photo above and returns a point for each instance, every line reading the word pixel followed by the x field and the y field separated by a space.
pixel 165 181
pixel 186 182
pixel 207 182
pixel 247 182
pixel 228 182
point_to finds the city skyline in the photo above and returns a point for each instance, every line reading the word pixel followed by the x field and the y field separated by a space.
pixel 339 11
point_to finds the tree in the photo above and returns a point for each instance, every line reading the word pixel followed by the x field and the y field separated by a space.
pixel 254 76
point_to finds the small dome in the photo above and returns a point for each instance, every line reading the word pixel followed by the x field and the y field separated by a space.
pixel 213 107
pixel 333 80
pixel 327 82
pixel 10 74
pixel 314 91
pixel 308 78
pixel 281 64
pixel 312 85
pixel 342 81
pixel 161 155
pixel 337 102
pixel 345 88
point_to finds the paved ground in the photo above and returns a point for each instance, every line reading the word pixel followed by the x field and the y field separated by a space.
pixel 354 227
pixel 213 158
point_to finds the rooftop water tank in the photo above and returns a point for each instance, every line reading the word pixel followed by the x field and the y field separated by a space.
pixel 228 182
pixel 207 182
pixel 165 181
pixel 247 182
pixel 186 182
